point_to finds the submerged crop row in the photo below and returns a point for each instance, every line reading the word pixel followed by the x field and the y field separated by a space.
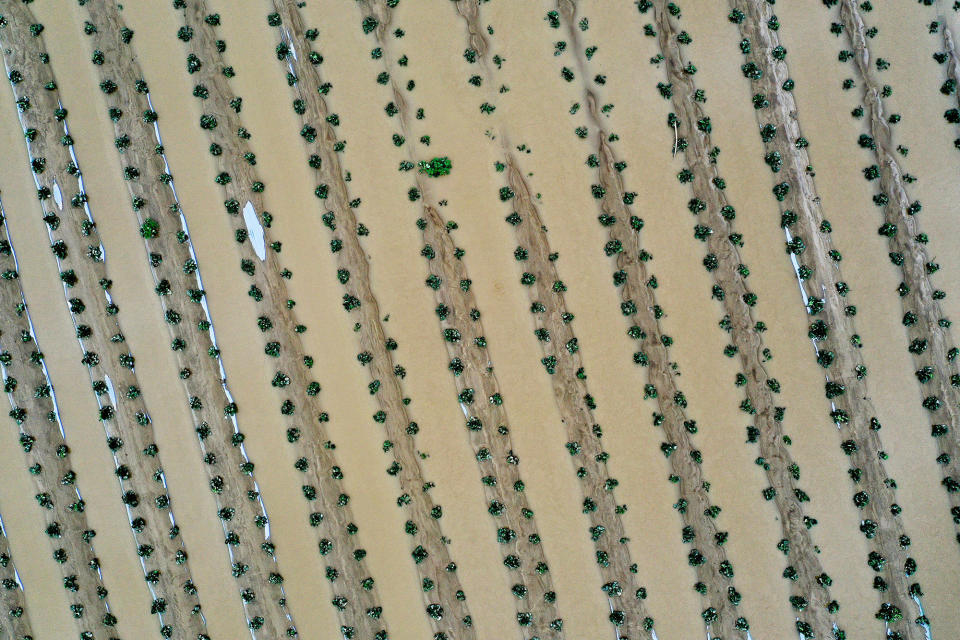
pixel 817 264
pixel 14 620
pixel 562 362
pixel 42 437
pixel 948 57
pixel 929 339
pixel 178 284
pixel 874 493
pixel 641 311
pixel 478 391
pixel 354 592
pixel 80 257
pixel 775 512
pixel 444 601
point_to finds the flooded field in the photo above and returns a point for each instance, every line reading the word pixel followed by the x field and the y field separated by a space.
pixel 421 197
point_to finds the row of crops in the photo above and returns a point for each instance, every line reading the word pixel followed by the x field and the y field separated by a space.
pixel 432 163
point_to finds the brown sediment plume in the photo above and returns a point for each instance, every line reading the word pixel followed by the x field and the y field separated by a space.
pixel 79 254
pixel 931 344
pixel 446 604
pixel 852 410
pixel 355 595
pixel 474 375
pixel 172 260
pixel 16 623
pixel 47 454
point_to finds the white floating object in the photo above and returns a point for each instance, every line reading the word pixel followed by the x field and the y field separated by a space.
pixel 255 230
pixel 110 390
pixel 57 195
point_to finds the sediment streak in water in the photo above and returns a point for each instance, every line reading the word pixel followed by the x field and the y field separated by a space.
pixel 487 422
pixel 80 256
pixel 876 497
pixel 34 412
pixel 445 604
pixel 173 264
pixel 354 593
pixel 933 350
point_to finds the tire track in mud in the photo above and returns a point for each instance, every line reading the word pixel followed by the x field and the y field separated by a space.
pixel 14 620
pixel 31 396
pixel 354 593
pixel 473 371
pixel 445 604
pixel 127 423
pixel 931 344
pixel 876 497
pixel 173 264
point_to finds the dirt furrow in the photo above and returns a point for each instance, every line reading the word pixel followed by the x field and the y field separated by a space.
pixel 931 344
pixel 354 592
pixel 473 371
pixel 14 619
pixel 76 247
pixel 445 604
pixel 33 409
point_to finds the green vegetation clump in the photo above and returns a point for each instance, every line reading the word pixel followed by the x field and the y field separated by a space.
pixel 437 167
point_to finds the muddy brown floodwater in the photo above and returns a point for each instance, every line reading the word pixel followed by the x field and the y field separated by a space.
pixel 553 530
